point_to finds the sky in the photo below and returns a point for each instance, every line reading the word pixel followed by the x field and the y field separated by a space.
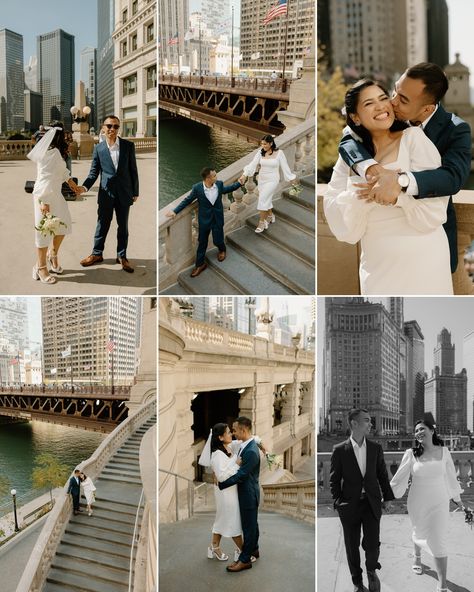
pixel 461 17
pixel 35 17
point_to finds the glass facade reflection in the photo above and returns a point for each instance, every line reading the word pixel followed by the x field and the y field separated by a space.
pixel 12 110
pixel 105 59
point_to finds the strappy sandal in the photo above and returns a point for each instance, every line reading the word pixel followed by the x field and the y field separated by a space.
pixel 212 552
pixel 417 569
pixel 49 279
pixel 262 225
pixel 53 255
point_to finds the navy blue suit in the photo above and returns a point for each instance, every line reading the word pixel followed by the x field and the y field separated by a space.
pixel 248 489
pixel 75 490
pixel 210 217
pixel 452 137
pixel 116 192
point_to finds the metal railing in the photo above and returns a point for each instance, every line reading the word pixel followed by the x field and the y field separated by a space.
pixel 135 539
pixel 257 83
pixel 189 493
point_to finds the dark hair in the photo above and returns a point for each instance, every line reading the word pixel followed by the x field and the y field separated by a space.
pixel 435 80
pixel 216 444
pixel 84 476
pixel 351 102
pixel 244 421
pixel 76 471
pixel 110 117
pixel 271 140
pixel 418 448
pixel 354 413
pixel 205 172
pixel 59 140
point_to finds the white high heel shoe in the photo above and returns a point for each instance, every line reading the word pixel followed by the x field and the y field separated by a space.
pixel 211 554
pixel 262 225
pixel 49 279
pixel 237 553
pixel 50 257
pixel 418 569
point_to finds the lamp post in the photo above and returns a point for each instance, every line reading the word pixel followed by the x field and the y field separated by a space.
pixel 13 492
pixel 80 114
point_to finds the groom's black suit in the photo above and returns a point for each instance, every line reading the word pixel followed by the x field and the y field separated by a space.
pixel 75 490
pixel 247 480
pixel 452 137
pixel 358 501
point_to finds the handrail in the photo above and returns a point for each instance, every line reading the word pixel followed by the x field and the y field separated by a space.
pixel 189 494
pixel 134 542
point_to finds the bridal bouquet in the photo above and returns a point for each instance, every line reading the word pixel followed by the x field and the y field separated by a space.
pixel 468 514
pixel 296 189
pixel 50 225
pixel 271 460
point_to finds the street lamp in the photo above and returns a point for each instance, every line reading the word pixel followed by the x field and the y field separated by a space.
pixel 80 115
pixel 13 492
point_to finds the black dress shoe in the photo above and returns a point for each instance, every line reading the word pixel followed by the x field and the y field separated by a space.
pixel 359 587
pixel 374 582
pixel 125 264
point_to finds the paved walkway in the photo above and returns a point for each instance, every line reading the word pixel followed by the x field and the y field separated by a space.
pixel 7 522
pixel 17 237
pixel 396 558
pixel 286 562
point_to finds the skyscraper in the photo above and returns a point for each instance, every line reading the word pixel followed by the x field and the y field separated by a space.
pixel 468 363
pixel 173 17
pixel 217 15
pixel 100 335
pixel 263 46
pixel 14 323
pixel 438 32
pixel 105 58
pixel 362 363
pixel 415 386
pixel 56 75
pixel 89 78
pixel 12 115
pixel 446 391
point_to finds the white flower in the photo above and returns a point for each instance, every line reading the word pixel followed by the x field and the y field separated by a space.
pixel 50 225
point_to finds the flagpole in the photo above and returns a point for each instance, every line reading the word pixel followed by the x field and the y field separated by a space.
pixel 112 352
pixel 232 51
pixel 286 43
pixel 200 51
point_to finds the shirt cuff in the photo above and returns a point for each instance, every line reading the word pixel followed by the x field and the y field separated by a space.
pixel 361 167
pixel 412 188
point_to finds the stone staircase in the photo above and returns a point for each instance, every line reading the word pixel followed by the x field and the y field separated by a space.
pixel 280 261
pixel 94 552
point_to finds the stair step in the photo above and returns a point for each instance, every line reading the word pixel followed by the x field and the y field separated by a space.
pixel 295 214
pixel 93 556
pixel 209 282
pixel 84 583
pixel 291 271
pixel 173 290
pixel 288 237
pixel 121 479
pixel 245 274
pixel 118 471
pixel 107 514
pixel 114 506
pixel 102 545
pixel 52 587
pixel 103 523
pixel 87 531
pixel 131 462
pixel 307 197
pixel 132 467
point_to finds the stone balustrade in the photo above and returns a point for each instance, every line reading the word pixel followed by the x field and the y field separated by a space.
pixel 36 571
pixel 463 462
pixel 64 390
pixel 296 499
pixel 338 262
pixel 255 84
pixel 178 236
pixel 144 144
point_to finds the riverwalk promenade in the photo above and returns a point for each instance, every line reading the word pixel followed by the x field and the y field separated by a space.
pixel 18 252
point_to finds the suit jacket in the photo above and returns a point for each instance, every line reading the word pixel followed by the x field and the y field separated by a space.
pixel 74 486
pixel 208 215
pixel 452 137
pixel 121 183
pixel 247 477
pixel 346 480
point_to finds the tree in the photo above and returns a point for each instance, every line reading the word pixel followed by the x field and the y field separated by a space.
pixel 331 91
pixel 49 472
pixel 4 485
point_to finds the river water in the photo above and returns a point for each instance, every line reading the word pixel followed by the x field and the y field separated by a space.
pixel 185 147
pixel 20 443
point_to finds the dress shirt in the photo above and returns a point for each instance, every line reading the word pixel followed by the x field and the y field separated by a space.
pixel 114 152
pixel 211 193
pixel 243 445
pixel 361 454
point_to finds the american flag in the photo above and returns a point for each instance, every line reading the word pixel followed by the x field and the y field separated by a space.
pixel 174 40
pixel 111 345
pixel 279 9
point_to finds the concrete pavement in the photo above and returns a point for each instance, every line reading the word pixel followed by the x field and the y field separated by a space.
pixel 396 557
pixel 17 237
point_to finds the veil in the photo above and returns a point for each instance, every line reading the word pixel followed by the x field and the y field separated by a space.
pixel 41 148
pixel 205 458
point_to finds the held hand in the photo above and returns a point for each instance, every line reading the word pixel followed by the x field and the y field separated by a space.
pixel 44 208
pixel 170 214
pixel 79 190
pixel 384 189
pixel 242 179
pixel 387 506
pixel 239 461
pixel 375 170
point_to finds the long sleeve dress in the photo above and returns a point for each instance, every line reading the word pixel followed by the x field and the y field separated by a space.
pixel 433 484
pixel 269 176
pixel 89 490
pixel 404 248
pixel 227 522
pixel 51 174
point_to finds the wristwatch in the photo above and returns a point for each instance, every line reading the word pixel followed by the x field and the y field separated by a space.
pixel 403 181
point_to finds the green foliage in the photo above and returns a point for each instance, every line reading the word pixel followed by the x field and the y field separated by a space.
pixel 49 472
pixel 4 485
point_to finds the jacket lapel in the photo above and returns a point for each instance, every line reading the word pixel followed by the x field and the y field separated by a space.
pixel 352 456
pixel 106 154
pixel 122 155
pixel 437 124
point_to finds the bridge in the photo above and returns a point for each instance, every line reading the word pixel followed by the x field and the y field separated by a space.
pixel 246 106
pixel 96 408
pixel 338 262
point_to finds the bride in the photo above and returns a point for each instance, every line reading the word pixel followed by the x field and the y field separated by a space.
pixel 89 490
pixel 404 248
pixel 220 453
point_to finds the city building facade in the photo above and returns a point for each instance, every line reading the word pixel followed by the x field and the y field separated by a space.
pixel 415 381
pixel 105 59
pixel 135 67
pixel 56 75
pixel 12 115
pixel 33 110
pixel 468 363
pixel 89 78
pixel 438 32
pixel 173 18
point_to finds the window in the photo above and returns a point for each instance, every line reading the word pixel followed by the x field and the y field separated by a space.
pixel 134 6
pixel 133 42
pixel 150 32
pixel 130 85
pixel 123 49
pixel 151 77
pixel 124 16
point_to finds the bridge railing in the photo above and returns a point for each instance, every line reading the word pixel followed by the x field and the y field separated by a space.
pixel 38 566
pixel 120 391
pixel 178 236
pixel 263 84
pixel 296 499
pixel 338 262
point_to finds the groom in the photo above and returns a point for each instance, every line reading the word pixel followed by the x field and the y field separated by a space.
pixel 75 490
pixel 114 160
pixel 358 473
pixel 248 487
pixel 416 100
pixel 210 214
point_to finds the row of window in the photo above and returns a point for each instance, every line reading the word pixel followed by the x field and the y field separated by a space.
pixel 129 84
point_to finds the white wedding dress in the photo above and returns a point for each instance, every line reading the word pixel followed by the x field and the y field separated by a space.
pixel 89 490
pixel 404 248
pixel 227 522
pixel 269 176
pixel 433 484
pixel 51 173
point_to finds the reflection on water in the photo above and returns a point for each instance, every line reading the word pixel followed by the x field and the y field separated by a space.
pixel 185 147
pixel 21 443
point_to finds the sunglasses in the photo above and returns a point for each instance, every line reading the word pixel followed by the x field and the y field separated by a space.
pixel 111 125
